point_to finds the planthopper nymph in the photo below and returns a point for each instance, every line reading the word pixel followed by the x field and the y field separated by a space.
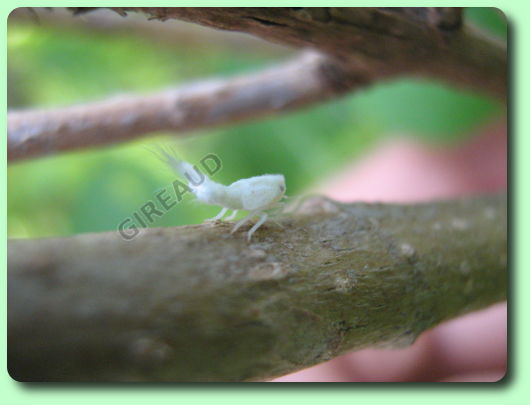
pixel 255 194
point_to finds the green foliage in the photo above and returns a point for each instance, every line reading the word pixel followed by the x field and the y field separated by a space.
pixel 489 19
pixel 95 190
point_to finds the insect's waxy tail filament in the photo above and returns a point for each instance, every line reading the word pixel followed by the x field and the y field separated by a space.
pixel 193 176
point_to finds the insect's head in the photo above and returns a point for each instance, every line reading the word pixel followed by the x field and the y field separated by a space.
pixel 278 182
pixel 275 185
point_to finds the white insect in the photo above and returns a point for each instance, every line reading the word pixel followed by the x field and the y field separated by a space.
pixel 255 194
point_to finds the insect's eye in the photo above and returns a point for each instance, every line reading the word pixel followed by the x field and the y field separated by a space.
pixel 282 188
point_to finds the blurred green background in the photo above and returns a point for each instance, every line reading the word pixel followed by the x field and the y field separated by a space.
pixel 60 61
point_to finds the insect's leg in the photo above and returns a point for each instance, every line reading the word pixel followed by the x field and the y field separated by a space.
pixel 232 216
pixel 257 225
pixel 219 216
pixel 244 221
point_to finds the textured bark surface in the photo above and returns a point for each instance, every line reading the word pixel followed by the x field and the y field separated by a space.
pixel 195 303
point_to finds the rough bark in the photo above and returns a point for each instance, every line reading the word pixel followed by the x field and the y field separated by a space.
pixel 195 303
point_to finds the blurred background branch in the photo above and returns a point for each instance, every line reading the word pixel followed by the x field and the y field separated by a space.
pixel 431 41
pixel 171 33
pixel 308 79
pixel 363 45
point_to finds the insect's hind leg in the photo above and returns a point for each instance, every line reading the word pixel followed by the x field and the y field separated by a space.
pixel 244 220
pixel 232 215
pixel 219 216
pixel 261 221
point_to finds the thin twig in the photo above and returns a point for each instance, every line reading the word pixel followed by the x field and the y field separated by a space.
pixel 308 79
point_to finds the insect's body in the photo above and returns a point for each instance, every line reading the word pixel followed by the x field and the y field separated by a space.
pixel 255 194
pixel 213 193
pixel 260 192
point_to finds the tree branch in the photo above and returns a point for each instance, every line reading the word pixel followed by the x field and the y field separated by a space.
pixel 426 41
pixel 308 79
pixel 362 44
pixel 172 34
pixel 195 303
